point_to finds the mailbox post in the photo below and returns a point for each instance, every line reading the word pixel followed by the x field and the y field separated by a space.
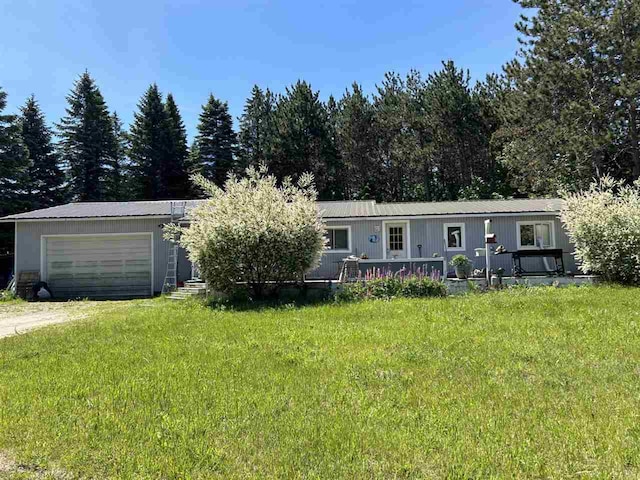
pixel 489 238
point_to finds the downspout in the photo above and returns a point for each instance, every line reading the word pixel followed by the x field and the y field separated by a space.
pixel 14 288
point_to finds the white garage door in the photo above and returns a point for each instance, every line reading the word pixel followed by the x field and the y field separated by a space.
pixel 98 266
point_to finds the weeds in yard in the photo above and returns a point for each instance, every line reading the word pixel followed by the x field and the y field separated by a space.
pixel 9 296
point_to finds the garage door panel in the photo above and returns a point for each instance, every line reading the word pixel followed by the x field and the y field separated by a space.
pixel 99 266
pixel 61 255
pixel 67 285
pixel 88 279
pixel 87 251
pixel 106 294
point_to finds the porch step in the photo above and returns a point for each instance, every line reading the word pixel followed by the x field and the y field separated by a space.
pixel 190 289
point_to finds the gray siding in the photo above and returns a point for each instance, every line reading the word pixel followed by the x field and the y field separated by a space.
pixel 28 235
pixel 429 232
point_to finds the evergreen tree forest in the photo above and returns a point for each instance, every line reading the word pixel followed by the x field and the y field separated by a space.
pixel 565 110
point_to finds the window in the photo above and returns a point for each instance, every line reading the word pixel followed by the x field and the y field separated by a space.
pixel 535 235
pixel 339 239
pixel 454 236
pixel 396 238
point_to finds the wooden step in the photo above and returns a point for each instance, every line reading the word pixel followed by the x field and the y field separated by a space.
pixel 192 291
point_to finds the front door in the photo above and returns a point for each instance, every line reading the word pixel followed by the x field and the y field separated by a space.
pixel 396 240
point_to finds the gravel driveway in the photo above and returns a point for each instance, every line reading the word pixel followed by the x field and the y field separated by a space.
pixel 20 317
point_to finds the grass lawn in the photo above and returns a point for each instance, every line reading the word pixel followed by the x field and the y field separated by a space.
pixel 527 383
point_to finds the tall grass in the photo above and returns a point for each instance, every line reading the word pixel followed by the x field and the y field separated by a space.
pixel 539 383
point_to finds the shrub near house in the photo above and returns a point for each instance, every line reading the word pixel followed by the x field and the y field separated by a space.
pixel 604 224
pixel 254 232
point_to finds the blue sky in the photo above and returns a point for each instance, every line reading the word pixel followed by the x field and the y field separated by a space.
pixel 192 48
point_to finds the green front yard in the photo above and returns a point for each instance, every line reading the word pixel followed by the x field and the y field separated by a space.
pixel 527 383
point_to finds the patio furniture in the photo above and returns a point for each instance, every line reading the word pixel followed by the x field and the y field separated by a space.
pixel 350 269
pixel 555 253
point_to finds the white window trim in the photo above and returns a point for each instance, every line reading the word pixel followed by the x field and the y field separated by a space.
pixel 408 235
pixel 340 250
pixel 552 231
pixel 463 237
pixel 43 253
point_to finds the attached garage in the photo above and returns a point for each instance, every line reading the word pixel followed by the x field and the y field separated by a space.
pixel 98 265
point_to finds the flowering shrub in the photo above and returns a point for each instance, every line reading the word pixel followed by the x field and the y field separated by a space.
pixel 385 285
pixel 604 224
pixel 253 232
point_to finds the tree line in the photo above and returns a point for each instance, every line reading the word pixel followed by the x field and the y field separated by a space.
pixel 566 109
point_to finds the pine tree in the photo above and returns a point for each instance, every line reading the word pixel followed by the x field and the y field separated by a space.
pixel 116 184
pixel 396 145
pixel 336 177
pixel 356 139
pixel 303 141
pixel 255 139
pixel 176 172
pixel 216 142
pixel 193 167
pixel 574 109
pixel 150 150
pixel 459 149
pixel 14 163
pixel 488 96
pixel 87 142
pixel 46 185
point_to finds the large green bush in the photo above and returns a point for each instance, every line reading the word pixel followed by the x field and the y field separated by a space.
pixel 392 287
pixel 254 233
pixel 603 222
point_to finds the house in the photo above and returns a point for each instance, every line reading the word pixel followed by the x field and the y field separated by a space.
pixel 117 249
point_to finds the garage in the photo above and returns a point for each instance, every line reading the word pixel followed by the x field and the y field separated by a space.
pixel 98 266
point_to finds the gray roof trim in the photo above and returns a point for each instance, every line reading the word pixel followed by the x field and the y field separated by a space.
pixel 80 219
pixel 346 210
pixel 446 215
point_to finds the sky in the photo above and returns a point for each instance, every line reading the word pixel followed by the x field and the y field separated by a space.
pixel 193 48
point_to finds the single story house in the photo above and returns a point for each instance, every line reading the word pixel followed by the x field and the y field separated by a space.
pixel 117 249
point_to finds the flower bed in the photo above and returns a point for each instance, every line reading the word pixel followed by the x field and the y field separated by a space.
pixel 383 284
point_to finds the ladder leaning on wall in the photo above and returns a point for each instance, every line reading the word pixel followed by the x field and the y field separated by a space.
pixel 171 277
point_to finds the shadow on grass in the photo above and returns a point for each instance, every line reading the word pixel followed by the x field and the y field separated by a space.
pixel 285 300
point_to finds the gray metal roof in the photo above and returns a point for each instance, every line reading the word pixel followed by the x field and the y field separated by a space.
pixel 342 209
pixel 102 210
pixel 338 209
pixel 470 207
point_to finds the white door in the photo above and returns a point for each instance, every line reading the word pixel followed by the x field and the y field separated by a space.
pixel 98 266
pixel 396 240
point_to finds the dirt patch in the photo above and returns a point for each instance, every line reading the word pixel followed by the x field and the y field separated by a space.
pixel 9 468
pixel 20 317
pixel 6 463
